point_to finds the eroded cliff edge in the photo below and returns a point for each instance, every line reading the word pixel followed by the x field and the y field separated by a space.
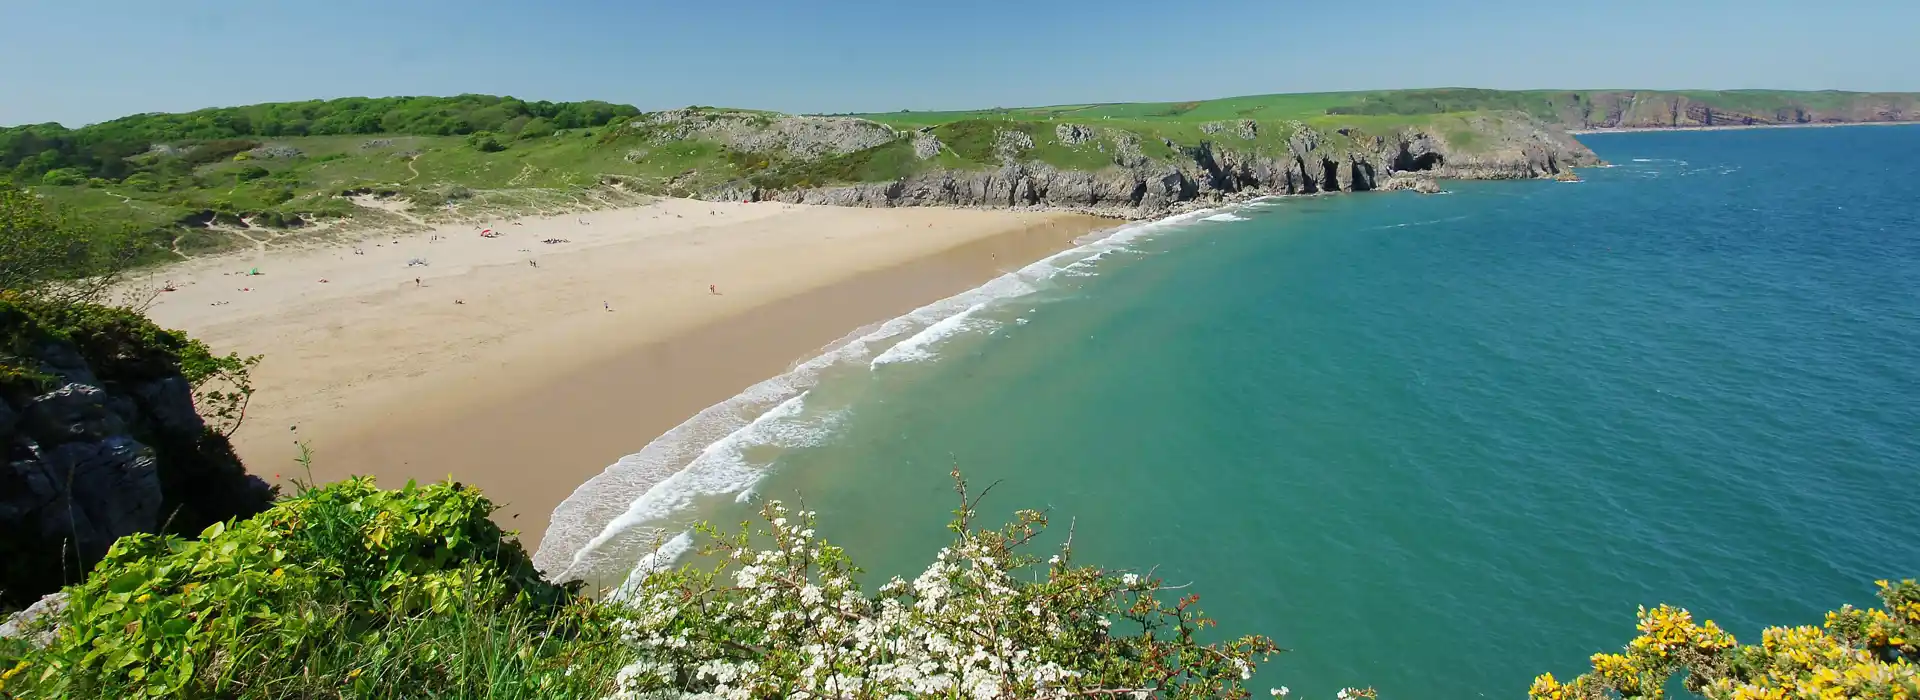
pixel 1123 172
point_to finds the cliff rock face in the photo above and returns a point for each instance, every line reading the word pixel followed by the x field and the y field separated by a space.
pixel 804 137
pixel 1136 186
pixel 105 452
pixel 1630 109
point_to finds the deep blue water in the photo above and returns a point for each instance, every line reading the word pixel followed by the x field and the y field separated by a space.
pixel 1441 444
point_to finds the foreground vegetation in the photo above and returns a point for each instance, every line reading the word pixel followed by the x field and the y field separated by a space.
pixel 353 592
pixel 349 591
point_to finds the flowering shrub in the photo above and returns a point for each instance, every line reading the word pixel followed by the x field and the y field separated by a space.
pixel 985 620
pixel 1856 654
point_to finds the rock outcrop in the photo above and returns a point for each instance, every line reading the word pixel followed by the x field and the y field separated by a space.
pixel 38 624
pixel 758 132
pixel 103 442
pixel 1134 185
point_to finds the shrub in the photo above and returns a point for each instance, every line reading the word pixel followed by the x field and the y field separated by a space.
pixel 346 590
pixel 64 177
pixel 485 141
pixel 144 182
pixel 45 252
pixel 986 620
pixel 250 172
pixel 1856 654
pixel 217 150
pixel 536 128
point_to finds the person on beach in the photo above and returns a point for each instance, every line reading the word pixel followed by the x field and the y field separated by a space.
pixel 607 305
pixel 711 289
pixel 416 281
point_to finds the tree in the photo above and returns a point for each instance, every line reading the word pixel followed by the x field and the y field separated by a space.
pixel 1857 654
pixel 43 253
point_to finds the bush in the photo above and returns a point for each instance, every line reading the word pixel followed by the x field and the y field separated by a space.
pixel 346 590
pixel 485 141
pixel 1856 654
pixel 250 172
pixel 986 620
pixel 64 177
pixel 217 150
pixel 536 128
pixel 144 182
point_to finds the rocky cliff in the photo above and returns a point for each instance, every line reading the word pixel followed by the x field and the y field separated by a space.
pixel 1134 185
pixel 101 440
pixel 1636 109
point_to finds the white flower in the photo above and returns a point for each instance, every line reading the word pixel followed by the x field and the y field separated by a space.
pixel 1342 694
pixel 1055 559
pixel 1130 580
pixel 1280 692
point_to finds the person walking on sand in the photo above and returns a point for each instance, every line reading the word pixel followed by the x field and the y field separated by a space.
pixel 416 281
pixel 713 290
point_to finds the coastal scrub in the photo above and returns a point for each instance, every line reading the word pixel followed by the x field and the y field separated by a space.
pixel 985 620
pixel 1857 653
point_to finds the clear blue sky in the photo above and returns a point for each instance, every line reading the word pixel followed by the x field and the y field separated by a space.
pixel 82 61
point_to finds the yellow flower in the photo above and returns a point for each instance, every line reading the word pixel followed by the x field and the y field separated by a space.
pixel 144 597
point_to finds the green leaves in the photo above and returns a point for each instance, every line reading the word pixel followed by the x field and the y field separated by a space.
pixel 169 617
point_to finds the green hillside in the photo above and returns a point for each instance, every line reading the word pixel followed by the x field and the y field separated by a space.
pixel 1578 109
pixel 187 182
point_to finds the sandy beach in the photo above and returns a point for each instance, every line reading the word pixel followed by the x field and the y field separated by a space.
pixel 525 367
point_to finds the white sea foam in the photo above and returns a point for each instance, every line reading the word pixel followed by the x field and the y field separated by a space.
pixel 613 522
pixel 662 557
pixel 1225 216
pixel 920 345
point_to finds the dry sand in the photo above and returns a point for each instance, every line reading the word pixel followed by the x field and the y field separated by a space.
pixel 526 380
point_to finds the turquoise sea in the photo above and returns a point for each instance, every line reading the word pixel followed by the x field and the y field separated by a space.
pixel 1433 444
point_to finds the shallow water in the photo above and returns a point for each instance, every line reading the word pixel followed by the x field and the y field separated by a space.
pixel 1436 445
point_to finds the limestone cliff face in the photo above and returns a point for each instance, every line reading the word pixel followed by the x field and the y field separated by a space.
pixel 113 447
pixel 1135 186
pixel 1630 109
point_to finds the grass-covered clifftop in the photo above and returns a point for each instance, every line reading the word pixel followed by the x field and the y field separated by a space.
pixel 1572 109
pixel 232 177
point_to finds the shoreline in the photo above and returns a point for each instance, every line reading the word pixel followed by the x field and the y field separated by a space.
pixel 528 373
pixel 1734 127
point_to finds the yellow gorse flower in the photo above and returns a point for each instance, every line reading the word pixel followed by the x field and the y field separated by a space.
pixel 1845 658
